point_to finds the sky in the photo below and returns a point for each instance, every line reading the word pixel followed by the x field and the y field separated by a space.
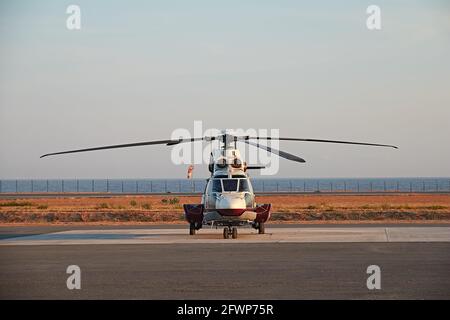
pixel 138 70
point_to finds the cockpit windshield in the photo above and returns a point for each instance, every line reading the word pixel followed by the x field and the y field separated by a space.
pixel 230 184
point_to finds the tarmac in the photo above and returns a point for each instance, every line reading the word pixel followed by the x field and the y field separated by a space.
pixel 164 262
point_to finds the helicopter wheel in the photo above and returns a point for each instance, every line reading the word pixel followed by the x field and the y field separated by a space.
pixel 192 229
pixel 234 233
pixel 227 233
pixel 261 228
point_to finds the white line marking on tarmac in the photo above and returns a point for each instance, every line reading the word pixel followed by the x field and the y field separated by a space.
pixel 387 234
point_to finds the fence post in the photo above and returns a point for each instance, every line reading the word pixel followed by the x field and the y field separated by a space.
pixel 193 185
pixel 331 186
pixel 16 186
pixel 277 186
pixel 107 185
pixel 263 186
pixel 304 186
pixel 165 186
pixel 357 186
pixel 0 186
pixel 398 185
pixel 78 185
pixel 423 186
pixel 121 185
pixel 290 184
pixel 345 186
pixel 32 187
pixel 92 185
pixel 137 186
pixel 384 185
pixel 410 186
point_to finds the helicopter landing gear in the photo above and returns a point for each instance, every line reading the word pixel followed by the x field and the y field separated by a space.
pixel 192 229
pixel 234 233
pixel 226 233
pixel 229 232
pixel 261 228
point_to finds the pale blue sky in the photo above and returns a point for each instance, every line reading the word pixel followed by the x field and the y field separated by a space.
pixel 139 69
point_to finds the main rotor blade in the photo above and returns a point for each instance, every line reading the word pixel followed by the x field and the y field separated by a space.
pixel 280 153
pixel 321 140
pixel 127 145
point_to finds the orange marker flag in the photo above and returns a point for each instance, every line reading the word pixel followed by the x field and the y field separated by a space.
pixel 190 170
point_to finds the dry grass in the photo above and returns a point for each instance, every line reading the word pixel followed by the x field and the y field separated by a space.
pixel 286 208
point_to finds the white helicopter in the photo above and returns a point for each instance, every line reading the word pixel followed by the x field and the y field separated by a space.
pixel 228 199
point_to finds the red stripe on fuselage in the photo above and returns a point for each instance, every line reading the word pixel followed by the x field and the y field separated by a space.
pixel 231 212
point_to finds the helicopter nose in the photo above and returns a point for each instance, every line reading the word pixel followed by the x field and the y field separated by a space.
pixel 230 202
pixel 230 205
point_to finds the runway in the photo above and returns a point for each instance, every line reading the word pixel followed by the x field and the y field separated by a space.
pixel 318 262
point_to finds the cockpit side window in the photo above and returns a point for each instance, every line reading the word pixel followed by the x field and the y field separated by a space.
pixel 216 185
pixel 230 184
pixel 243 185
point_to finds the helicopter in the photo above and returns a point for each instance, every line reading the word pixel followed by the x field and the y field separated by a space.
pixel 228 200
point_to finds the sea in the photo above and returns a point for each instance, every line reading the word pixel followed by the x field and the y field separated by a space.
pixel 198 185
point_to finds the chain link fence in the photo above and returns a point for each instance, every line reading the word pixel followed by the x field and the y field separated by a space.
pixel 129 186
